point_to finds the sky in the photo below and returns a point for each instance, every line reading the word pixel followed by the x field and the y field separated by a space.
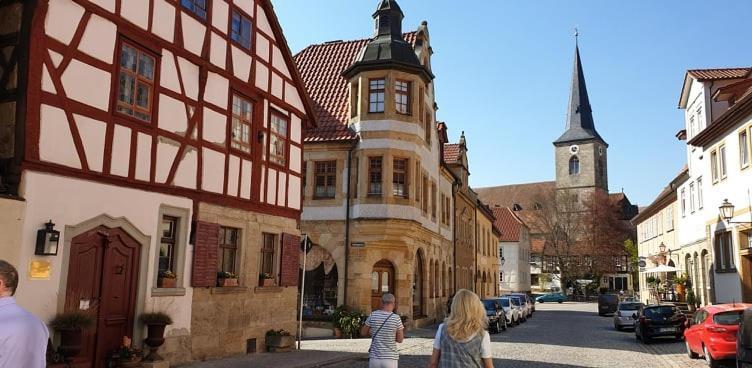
pixel 503 72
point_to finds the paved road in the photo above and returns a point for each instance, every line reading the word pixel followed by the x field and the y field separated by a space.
pixel 558 336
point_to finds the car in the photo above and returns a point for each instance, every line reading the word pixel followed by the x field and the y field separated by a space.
pixel 511 314
pixel 551 297
pixel 712 333
pixel 624 313
pixel 607 304
pixel 744 341
pixel 518 303
pixel 495 315
pixel 529 303
pixel 659 320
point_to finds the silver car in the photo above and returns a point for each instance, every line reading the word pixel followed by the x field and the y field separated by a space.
pixel 511 313
pixel 624 312
pixel 527 303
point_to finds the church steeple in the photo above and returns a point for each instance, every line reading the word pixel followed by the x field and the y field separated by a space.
pixel 580 124
pixel 389 18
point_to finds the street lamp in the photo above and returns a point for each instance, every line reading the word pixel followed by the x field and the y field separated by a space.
pixel 727 213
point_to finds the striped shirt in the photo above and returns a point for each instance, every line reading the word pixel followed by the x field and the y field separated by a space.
pixel 384 343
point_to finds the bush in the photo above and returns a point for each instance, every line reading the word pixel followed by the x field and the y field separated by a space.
pixel 158 318
pixel 76 320
pixel 277 333
pixel 349 321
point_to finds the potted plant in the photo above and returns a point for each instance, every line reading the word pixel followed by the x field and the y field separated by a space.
pixel 126 356
pixel 350 323
pixel 71 326
pixel 680 284
pixel 155 324
pixel 225 279
pixel 266 280
pixel 691 300
pixel 167 279
pixel 279 340
pixel 336 317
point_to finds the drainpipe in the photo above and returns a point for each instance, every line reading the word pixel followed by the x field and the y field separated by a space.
pixel 454 236
pixel 347 219
pixel 475 248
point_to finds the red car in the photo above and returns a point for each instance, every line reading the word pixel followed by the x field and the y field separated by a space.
pixel 712 333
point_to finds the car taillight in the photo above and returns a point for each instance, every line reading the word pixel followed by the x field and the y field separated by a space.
pixel 717 329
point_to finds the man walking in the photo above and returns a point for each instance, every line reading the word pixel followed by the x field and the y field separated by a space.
pixel 386 330
pixel 23 337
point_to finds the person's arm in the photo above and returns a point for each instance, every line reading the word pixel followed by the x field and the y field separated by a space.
pixel 435 359
pixel 485 351
pixel 400 335
pixel 488 363
pixel 365 331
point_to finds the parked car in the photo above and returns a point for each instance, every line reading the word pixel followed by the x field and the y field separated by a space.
pixel 551 297
pixel 625 313
pixel 495 315
pixel 744 341
pixel 511 314
pixel 520 305
pixel 712 333
pixel 659 321
pixel 607 304
pixel 529 303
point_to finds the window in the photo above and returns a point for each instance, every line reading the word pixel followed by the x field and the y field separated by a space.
pixel 692 197
pixel 683 203
pixel 168 245
pixel 429 125
pixel 228 249
pixel 425 194
pixel 714 166
pixel 418 195
pixel 692 127
pixel 242 115
pixel 241 30
pixel 278 139
pixel 136 83
pixel 433 201
pixel 724 252
pixel 574 166
pixel 376 95
pixel 700 119
pixel 670 218
pixel 197 7
pixel 375 165
pixel 722 161
pixel 421 104
pixel 402 96
pixel 354 99
pixel 744 149
pixel 326 179
pixel 699 193
pixel 399 177
pixel 268 251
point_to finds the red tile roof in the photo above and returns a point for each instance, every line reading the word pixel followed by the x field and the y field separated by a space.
pixel 321 67
pixel 508 223
pixel 524 195
pixel 451 152
pixel 718 74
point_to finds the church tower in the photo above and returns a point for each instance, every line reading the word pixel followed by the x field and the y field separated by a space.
pixel 581 157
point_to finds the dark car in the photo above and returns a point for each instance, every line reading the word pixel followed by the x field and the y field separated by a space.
pixel 495 315
pixel 607 304
pixel 659 321
pixel 744 341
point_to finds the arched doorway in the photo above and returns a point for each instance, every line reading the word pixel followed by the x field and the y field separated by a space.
pixel 321 282
pixel 418 286
pixel 382 282
pixel 696 271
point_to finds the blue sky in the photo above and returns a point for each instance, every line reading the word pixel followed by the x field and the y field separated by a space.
pixel 503 71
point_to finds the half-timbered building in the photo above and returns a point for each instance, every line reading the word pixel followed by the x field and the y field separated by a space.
pixel 161 137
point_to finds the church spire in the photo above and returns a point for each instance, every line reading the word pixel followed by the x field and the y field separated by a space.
pixel 580 124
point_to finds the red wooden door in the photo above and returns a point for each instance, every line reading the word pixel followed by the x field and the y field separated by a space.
pixel 102 280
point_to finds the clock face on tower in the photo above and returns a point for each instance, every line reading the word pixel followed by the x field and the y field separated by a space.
pixel 574 149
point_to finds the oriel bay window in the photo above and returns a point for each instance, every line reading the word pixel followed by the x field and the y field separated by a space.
pixel 135 83
pixel 376 93
pixel 326 179
pixel 402 96
pixel 375 176
pixel 242 115
pixel 241 30
pixel 278 139
pixel 399 177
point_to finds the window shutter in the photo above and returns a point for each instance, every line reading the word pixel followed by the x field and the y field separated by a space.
pixel 290 260
pixel 205 254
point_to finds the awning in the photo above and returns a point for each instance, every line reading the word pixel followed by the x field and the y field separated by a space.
pixel 660 269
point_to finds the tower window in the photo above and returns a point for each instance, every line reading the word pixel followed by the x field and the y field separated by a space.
pixel 574 166
pixel 402 97
pixel 376 95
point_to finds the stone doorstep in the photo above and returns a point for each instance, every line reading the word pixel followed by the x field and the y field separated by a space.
pixel 160 364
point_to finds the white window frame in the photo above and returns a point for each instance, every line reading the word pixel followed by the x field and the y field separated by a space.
pixel 700 199
pixel 683 203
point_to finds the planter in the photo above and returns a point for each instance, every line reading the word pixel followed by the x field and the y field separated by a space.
pixel 266 282
pixel 279 343
pixel 154 340
pixel 228 282
pixel 166 283
pixel 71 343
pixel 337 333
pixel 129 363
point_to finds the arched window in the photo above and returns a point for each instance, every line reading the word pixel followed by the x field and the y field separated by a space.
pixel 574 166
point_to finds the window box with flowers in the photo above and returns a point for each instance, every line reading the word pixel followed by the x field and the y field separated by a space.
pixel 227 279
pixel 167 280
pixel 266 280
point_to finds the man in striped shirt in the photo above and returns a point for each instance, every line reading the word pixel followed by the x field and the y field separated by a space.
pixel 386 330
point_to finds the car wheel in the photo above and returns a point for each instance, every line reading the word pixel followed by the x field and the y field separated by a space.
pixel 504 325
pixel 645 338
pixel 617 327
pixel 561 301
pixel 712 363
pixel 541 301
pixel 691 354
pixel 498 326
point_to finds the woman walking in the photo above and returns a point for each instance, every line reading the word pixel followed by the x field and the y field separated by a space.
pixel 462 340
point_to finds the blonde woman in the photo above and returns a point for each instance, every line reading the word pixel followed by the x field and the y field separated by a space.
pixel 462 340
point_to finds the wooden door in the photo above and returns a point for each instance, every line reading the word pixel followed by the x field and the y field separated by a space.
pixel 102 280
pixel 746 276
pixel 418 287
pixel 382 282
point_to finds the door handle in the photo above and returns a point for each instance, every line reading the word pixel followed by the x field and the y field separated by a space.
pixel 119 270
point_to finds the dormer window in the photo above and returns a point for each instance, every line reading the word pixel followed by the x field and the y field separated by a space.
pixel 376 91
pixel 402 92
pixel 538 206
pixel 516 207
pixel 574 166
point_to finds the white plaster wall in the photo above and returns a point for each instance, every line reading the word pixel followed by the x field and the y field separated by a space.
pixel 218 51
pixel 87 84
pixel 245 180
pixel 121 151
pixel 220 15
pixel 71 201
pixel 511 267
pixel 172 115
pixel 55 139
pixel 263 48
pixel 143 157
pixel 136 11
pixel 99 39
pixel 163 23
pixel 92 134
pixel 214 171
pixel 241 63
pixel 262 22
pixel 62 20
pixel 192 27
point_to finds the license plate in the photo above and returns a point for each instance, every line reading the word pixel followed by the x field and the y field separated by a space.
pixel 668 329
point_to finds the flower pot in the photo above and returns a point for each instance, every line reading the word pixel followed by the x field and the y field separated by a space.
pixel 266 282
pixel 71 343
pixel 228 282
pixel 166 283
pixel 154 340
pixel 337 333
